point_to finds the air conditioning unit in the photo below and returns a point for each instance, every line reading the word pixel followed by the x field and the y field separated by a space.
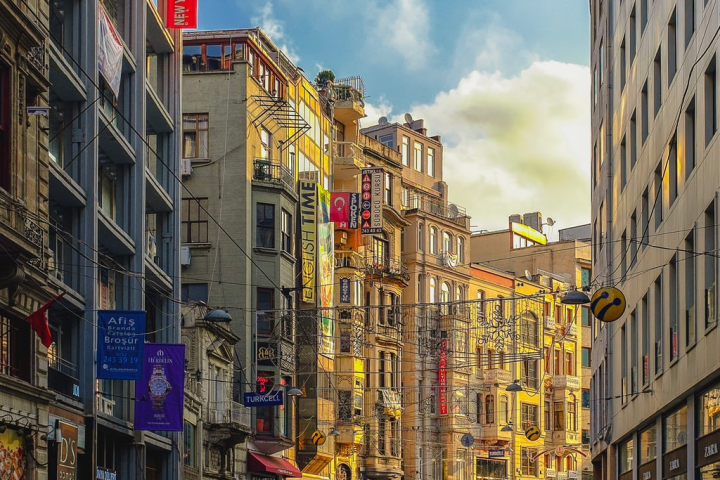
pixel 309 176
pixel 185 256
pixel 341 237
pixel 186 168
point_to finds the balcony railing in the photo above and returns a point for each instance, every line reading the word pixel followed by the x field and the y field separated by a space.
pixel 348 153
pixel 266 171
pixel 498 375
pixel 349 259
pixel 17 218
pixel 349 89
pixel 386 265
pixel 64 366
pixel 227 412
pixel 448 211
pixel 566 381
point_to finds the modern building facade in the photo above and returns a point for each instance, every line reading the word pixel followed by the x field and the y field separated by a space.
pixel 654 216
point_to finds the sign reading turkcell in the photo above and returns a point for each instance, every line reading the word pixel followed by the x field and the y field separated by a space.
pixel 257 399
pixel 121 338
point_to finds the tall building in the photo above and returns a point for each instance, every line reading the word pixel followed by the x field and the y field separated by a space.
pixel 655 178
pixel 524 250
pixel 435 252
pixel 89 186
pixel 24 230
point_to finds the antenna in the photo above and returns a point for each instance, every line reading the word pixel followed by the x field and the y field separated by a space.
pixel 550 222
pixel 452 210
pixel 528 275
pixel 408 118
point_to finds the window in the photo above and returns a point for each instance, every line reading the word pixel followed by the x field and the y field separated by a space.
pixel 672 50
pixel 447 243
pixel 632 32
pixel 431 161
pixel 388 140
pixel 673 313
pixel 527 465
pixel 265 227
pixel 632 135
pixel 569 363
pixel 710 102
pixel 488 468
pixel 585 357
pixel 556 362
pixel 5 163
pixel 675 430
pixel 644 113
pixel 460 465
pixel 657 81
pixel 547 413
pixel 197 292
pixel 189 457
pixel 710 261
pixel 529 330
pixel 528 373
pixel 689 20
pixel 489 409
pixel 15 348
pixel 585 316
pixel 460 250
pixel 418 148
pixel 433 240
pixel 623 66
pixel 709 411
pixel 503 410
pixel 643 15
pixel 479 404
pixel 673 172
pixel 387 197
pixel 689 280
pixel 559 416
pixel 287 229
pixel 625 456
pixel 421 237
pixel 689 138
pixel 264 144
pixel 265 303
pixel 623 164
pixel 432 290
pixel 445 293
pixel 572 413
pixel 195 135
pixel 585 398
pixel 648 445
pixel 108 190
pixel 194 224
pixel 405 151
pixel 528 415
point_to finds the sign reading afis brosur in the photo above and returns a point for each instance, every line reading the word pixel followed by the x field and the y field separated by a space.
pixel 121 339
pixel 159 395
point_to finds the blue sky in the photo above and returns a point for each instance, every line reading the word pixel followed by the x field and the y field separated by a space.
pixel 505 82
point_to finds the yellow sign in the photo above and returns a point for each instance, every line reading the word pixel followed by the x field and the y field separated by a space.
pixel 318 437
pixel 532 433
pixel 308 233
pixel 608 304
pixel 528 232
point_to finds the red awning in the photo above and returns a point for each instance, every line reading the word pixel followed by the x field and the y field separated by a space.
pixel 257 462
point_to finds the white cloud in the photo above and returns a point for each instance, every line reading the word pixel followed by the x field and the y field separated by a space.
pixel 373 111
pixel 275 30
pixel 517 144
pixel 402 28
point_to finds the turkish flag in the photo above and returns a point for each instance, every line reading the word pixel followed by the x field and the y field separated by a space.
pixel 340 208
pixel 38 322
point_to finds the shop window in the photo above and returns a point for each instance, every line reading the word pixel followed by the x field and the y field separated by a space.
pixel 625 456
pixel 709 414
pixel 675 430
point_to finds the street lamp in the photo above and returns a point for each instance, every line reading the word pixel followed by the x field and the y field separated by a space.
pixel 508 427
pixel 294 392
pixel 218 315
pixel 575 297
pixel 513 388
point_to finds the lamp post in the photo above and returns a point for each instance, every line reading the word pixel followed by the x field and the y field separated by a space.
pixel 513 388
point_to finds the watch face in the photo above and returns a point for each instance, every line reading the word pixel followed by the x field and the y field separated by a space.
pixel 158 386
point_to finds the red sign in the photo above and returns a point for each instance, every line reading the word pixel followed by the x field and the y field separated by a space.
pixel 340 208
pixel 442 376
pixel 182 14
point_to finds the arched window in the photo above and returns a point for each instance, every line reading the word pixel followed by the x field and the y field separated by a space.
pixel 421 239
pixel 480 414
pixel 529 329
pixel 420 292
pixel 447 243
pixel 503 410
pixel 432 290
pixel 458 293
pixel 433 240
pixel 460 250
pixel 445 293
pixel 489 409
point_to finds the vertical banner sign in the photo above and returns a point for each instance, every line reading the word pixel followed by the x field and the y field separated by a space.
pixel 110 51
pixel 182 14
pixel 324 205
pixel 308 226
pixel 67 450
pixel 326 279
pixel 354 213
pixel 340 208
pixel 345 290
pixel 121 338
pixel 13 464
pixel 372 200
pixel 159 395
pixel 442 376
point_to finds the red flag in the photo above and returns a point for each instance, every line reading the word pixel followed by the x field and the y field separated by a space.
pixel 340 208
pixel 182 14
pixel 38 322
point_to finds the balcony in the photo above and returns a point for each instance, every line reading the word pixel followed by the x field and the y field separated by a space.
pixel 158 38
pixel 550 324
pixel 349 96
pixel 564 437
pixel 19 232
pixel 348 159
pixel 566 381
pixel 63 377
pixel 349 259
pixel 386 267
pixel 266 172
pixel 65 81
pixel 492 433
pixel 499 376
pixel 157 114
pixel 383 467
pixel 438 208
pixel 228 421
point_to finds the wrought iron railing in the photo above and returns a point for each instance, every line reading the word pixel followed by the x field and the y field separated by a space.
pixel 433 206
pixel 349 259
pixel 227 412
pixel 266 171
pixel 17 218
pixel 385 265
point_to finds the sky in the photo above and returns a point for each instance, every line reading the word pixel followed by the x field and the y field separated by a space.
pixel 506 84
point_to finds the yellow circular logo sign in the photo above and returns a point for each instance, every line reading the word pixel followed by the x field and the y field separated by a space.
pixel 532 433
pixel 318 437
pixel 608 304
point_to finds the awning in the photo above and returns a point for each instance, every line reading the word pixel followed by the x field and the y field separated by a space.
pixel 257 462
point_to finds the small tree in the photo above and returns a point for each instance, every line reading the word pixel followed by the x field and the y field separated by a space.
pixel 324 77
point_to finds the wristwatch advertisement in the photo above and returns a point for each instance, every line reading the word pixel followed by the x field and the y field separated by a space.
pixel 159 396
pixel 159 387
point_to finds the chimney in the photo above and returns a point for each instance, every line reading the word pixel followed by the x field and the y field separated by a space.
pixel 534 220
pixel 515 218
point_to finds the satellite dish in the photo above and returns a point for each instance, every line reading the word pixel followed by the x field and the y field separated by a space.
pixel 550 222
pixel 528 275
pixel 452 210
pixel 408 118
pixel 383 121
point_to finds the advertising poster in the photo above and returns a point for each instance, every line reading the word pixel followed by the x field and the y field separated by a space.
pixel 345 290
pixel 159 395
pixel 182 14
pixel 326 278
pixel 308 232
pixel 354 211
pixel 324 204
pixel 442 376
pixel 12 456
pixel 110 51
pixel 372 200
pixel 121 338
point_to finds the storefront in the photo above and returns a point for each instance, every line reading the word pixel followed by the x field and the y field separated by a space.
pixel 264 467
pixel 707 454
pixel 675 445
pixel 490 468
pixel 675 464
